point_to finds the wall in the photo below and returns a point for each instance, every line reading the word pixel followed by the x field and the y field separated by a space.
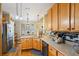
pixel 18 26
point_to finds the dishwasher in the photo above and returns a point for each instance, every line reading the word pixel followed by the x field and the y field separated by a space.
pixel 44 48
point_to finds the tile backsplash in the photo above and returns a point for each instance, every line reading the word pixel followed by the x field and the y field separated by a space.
pixel 72 37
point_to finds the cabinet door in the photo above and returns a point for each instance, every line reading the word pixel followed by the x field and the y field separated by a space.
pixel 34 44
pixel 51 51
pixel 77 17
pixel 64 23
pixel 72 17
pixel 55 17
pixel 24 44
pixel 49 20
pixel 37 44
pixel 28 43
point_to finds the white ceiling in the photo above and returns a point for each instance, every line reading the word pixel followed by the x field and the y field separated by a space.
pixel 35 9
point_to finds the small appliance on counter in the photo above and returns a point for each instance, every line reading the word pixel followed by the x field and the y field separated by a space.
pixel 59 40
pixel 57 37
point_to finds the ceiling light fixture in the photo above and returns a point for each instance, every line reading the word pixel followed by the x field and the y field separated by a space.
pixel 37 17
pixel 21 12
pixel 17 17
pixel 27 14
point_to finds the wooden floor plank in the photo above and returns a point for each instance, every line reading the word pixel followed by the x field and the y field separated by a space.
pixel 26 53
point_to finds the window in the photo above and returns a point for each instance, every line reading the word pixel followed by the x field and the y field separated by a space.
pixel 27 29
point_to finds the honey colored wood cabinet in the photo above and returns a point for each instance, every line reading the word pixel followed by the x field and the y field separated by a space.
pixel 54 52
pixel 72 17
pixel 54 20
pixel 29 43
pixel 23 44
pixel 64 22
pixel 49 19
pixel 76 19
pixel 26 43
pixel 37 44
pixel 51 51
pixel 63 17
pixel 34 44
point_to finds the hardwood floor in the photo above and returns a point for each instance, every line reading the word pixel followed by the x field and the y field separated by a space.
pixel 26 53
pixel 31 53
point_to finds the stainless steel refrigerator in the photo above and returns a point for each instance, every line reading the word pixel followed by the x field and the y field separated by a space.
pixel 7 37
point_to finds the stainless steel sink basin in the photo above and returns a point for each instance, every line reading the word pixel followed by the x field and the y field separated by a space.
pixel 76 48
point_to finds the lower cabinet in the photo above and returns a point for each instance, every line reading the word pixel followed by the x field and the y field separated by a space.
pixel 29 43
pixel 51 51
pixel 26 43
pixel 37 44
pixel 23 44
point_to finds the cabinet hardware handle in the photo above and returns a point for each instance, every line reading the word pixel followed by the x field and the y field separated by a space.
pixel 50 49
pixel 73 28
pixel 68 28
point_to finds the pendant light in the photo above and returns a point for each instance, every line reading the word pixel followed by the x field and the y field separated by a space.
pixel 27 14
pixel 21 12
pixel 37 17
pixel 17 17
pixel 27 17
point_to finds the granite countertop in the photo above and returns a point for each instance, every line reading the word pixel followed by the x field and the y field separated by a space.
pixel 33 36
pixel 65 49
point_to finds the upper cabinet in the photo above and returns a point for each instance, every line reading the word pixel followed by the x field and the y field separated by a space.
pixel 64 14
pixel 49 19
pixel 76 15
pixel 63 17
pixel 54 20
pixel 72 17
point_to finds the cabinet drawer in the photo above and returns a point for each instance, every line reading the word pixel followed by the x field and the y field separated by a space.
pixel 52 51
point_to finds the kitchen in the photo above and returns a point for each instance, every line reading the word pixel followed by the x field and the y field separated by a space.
pixel 39 29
